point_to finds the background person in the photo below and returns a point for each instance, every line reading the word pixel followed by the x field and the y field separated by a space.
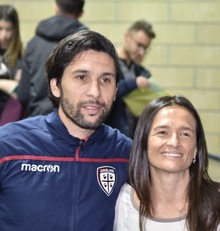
pixel 63 171
pixel 32 90
pixel 11 51
pixel 137 41
pixel 169 186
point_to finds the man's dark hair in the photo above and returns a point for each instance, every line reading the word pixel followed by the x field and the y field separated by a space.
pixel 74 7
pixel 144 26
pixel 72 46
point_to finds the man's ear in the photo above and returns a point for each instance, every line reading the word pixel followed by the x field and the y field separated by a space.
pixel 116 92
pixel 54 88
pixel 81 14
pixel 57 9
pixel 126 35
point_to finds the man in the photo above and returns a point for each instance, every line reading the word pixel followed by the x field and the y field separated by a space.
pixel 137 41
pixel 63 171
pixel 32 90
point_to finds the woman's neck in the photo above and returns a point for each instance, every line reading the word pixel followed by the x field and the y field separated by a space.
pixel 169 195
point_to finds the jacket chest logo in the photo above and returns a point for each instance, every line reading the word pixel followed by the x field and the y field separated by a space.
pixel 106 176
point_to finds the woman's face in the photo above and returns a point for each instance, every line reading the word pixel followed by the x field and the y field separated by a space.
pixel 6 33
pixel 172 140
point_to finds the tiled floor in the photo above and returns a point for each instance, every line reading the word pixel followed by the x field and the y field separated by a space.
pixel 214 169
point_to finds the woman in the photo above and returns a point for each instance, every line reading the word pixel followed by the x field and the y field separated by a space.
pixel 169 186
pixel 10 61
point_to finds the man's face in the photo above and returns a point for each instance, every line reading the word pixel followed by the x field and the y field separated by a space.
pixel 87 89
pixel 136 45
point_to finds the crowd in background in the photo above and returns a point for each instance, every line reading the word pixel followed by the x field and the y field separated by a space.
pixel 74 163
pixel 26 93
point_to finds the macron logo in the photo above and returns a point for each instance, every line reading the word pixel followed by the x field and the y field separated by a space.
pixel 40 168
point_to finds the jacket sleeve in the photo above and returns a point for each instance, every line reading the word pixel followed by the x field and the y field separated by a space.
pixel 125 86
pixel 140 70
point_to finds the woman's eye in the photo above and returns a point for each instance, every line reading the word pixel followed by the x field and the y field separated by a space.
pixel 162 132
pixel 185 135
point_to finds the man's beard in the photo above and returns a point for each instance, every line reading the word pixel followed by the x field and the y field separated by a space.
pixel 74 114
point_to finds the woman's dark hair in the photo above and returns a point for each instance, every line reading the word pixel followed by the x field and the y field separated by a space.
pixel 70 47
pixel 15 49
pixel 203 194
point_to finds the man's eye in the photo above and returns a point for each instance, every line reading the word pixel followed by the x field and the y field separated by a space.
pixel 105 80
pixel 81 77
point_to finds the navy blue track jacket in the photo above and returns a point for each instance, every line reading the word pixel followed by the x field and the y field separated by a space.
pixel 52 181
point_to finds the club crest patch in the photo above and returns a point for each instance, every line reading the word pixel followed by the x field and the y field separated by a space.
pixel 106 176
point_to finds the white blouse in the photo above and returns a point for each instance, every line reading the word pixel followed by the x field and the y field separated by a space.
pixel 127 216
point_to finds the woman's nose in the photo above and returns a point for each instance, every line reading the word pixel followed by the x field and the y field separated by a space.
pixel 173 140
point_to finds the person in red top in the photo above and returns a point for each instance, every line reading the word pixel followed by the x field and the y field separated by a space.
pixel 11 52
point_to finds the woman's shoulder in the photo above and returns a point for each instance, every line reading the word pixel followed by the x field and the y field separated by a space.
pixel 126 190
pixel 126 197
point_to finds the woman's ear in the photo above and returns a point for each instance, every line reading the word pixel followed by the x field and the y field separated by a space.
pixel 54 88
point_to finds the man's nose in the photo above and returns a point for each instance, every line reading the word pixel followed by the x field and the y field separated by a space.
pixel 94 89
pixel 141 51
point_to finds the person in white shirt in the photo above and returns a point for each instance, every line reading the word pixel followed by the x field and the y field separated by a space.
pixel 169 187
